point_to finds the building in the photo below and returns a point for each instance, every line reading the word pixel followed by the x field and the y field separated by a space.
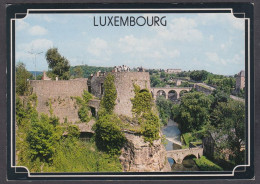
pixel 240 80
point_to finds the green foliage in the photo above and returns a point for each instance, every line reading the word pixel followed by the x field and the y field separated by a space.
pixel 206 165
pixel 156 81
pixel 199 75
pixel 164 107
pixel 75 156
pixel 108 135
pixel 73 131
pixel 228 124
pixel 193 112
pixel 42 137
pixel 83 111
pixel 22 85
pixel 78 72
pixel 142 110
pixel 150 127
pixel 87 70
pixel 59 64
pixel 108 101
pixel 142 102
pixel 187 138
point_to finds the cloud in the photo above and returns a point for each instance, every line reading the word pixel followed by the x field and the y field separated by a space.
pixel 237 59
pixel 222 18
pixel 227 44
pixel 37 30
pixel 21 25
pixel 181 29
pixel 144 48
pixel 37 45
pixel 98 47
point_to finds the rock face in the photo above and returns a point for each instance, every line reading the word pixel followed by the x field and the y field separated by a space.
pixel 140 156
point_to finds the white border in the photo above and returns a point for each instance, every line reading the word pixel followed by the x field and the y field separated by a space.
pixel 115 175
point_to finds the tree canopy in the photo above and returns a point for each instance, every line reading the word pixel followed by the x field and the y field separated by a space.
pixel 193 111
pixel 108 101
pixel 60 65
pixel 21 79
pixel 228 125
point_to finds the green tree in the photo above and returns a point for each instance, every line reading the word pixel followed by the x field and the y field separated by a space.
pixel 164 107
pixel 108 135
pixel 228 123
pixel 83 106
pixel 199 75
pixel 60 65
pixel 21 79
pixel 42 137
pixel 78 71
pixel 193 112
pixel 108 101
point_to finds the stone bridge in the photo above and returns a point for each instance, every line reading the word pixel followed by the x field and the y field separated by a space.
pixel 179 155
pixel 172 93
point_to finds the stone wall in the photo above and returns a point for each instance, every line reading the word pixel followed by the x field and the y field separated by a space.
pixel 125 90
pixel 124 86
pixel 60 93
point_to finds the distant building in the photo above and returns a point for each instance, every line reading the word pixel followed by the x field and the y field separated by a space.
pixel 240 80
pixel 173 70
pixel 45 77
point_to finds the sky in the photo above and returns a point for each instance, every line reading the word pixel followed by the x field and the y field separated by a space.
pixel 196 41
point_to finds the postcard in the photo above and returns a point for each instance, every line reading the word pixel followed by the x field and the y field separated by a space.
pixel 130 92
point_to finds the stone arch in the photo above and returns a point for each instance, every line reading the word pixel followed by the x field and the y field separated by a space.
pixel 171 161
pixel 172 95
pixel 160 93
pixel 182 92
pixel 190 155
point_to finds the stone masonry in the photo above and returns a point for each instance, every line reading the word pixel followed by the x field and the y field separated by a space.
pixel 60 93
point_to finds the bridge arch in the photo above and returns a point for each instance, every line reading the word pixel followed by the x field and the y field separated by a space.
pixel 172 95
pixel 190 156
pixel 161 93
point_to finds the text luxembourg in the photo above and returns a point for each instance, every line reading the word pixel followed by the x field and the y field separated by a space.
pixel 130 21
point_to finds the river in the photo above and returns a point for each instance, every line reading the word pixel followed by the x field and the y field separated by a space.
pixel 172 134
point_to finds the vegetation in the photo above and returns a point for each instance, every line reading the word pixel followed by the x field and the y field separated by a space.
pixel 109 137
pixel 142 102
pixel 206 165
pixel 164 107
pixel 142 110
pixel 21 79
pixel 86 70
pixel 83 111
pixel 228 120
pixel 199 75
pixel 60 65
pixel 193 112
pixel 108 101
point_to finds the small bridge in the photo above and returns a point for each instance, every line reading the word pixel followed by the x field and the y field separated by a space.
pixel 172 93
pixel 179 155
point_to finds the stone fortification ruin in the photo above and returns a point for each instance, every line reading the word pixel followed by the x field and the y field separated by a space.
pixel 60 94
pixel 124 82
pixel 137 155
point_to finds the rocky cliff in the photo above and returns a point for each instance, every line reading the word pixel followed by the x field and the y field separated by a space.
pixel 140 156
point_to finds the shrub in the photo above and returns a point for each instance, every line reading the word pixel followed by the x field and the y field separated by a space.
pixel 108 135
pixel 206 165
pixel 108 101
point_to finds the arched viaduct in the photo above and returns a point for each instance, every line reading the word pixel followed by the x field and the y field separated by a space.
pixel 172 93
pixel 179 155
